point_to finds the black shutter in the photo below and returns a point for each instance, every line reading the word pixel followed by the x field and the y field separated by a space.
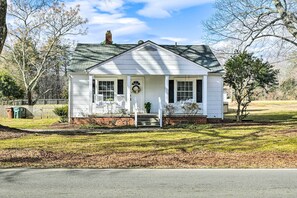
pixel 93 90
pixel 120 87
pixel 199 91
pixel 171 91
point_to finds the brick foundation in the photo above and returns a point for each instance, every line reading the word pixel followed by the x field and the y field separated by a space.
pixel 104 121
pixel 176 120
pixel 129 121
pixel 214 120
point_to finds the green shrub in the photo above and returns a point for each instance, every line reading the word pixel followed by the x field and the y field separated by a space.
pixel 62 112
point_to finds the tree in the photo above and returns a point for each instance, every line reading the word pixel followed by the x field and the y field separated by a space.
pixel 247 21
pixel 38 27
pixel 3 28
pixel 244 74
pixel 9 88
pixel 289 88
pixel 52 84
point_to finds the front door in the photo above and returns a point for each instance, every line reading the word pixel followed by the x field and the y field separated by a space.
pixel 137 93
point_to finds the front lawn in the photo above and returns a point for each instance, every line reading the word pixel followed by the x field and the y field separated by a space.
pixel 28 123
pixel 229 145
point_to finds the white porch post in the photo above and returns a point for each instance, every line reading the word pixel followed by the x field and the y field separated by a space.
pixel 70 99
pixel 166 90
pixel 128 103
pixel 91 94
pixel 204 94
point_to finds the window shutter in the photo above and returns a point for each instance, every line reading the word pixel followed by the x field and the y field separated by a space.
pixel 199 91
pixel 171 91
pixel 120 87
pixel 93 90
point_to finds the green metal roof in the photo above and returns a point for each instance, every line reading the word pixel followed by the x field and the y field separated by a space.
pixel 89 55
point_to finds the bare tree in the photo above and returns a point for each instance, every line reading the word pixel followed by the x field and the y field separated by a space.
pixel 249 21
pixel 38 27
pixel 3 28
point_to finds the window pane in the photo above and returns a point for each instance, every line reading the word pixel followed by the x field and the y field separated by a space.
pixel 106 88
pixel 184 90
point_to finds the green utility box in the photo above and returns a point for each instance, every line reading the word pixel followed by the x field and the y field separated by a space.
pixel 19 112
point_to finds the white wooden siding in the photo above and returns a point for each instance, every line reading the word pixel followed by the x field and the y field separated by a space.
pixel 215 97
pixel 80 96
pixel 141 62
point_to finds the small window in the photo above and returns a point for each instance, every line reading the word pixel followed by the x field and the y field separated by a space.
pixel 184 90
pixel 106 88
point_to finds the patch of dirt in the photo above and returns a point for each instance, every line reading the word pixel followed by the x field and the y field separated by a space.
pixel 288 132
pixel 7 133
pixel 200 159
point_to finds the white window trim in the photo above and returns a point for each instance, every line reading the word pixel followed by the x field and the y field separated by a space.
pixel 193 80
pixel 115 80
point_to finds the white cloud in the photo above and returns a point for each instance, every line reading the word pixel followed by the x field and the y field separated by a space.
pixel 164 8
pixel 111 6
pixel 106 15
pixel 174 39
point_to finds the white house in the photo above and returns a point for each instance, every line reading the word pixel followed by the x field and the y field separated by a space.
pixel 108 79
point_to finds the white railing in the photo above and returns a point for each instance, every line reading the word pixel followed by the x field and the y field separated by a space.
pixel 160 114
pixel 135 113
pixel 109 107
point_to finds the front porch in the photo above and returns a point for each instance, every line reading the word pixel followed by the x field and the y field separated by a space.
pixel 126 95
pixel 123 97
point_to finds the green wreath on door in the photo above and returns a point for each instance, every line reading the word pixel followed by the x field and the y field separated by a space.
pixel 136 87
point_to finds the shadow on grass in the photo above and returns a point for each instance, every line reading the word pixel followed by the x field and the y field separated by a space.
pixel 9 129
pixel 21 159
pixel 231 110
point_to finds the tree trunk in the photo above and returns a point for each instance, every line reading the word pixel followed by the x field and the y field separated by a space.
pixel 29 96
pixel 58 83
pixel 3 27
pixel 238 117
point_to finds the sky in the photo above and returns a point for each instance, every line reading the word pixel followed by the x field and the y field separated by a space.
pixel 161 21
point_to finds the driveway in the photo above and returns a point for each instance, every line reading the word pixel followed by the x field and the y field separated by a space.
pixel 54 183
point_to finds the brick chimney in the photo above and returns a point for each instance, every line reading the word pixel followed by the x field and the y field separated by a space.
pixel 108 38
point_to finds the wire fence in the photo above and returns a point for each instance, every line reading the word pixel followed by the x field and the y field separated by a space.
pixel 39 102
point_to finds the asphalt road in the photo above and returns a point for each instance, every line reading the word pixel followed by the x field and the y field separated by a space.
pixel 56 183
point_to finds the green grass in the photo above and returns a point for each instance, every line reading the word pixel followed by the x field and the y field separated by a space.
pixel 216 138
pixel 280 135
pixel 269 111
pixel 28 123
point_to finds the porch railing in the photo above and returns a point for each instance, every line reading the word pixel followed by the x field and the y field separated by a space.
pixel 136 113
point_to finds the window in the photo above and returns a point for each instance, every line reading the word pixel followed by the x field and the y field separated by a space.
pixel 184 90
pixel 106 88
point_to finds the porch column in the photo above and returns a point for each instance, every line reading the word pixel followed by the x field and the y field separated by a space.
pixel 91 94
pixel 70 92
pixel 128 103
pixel 204 94
pixel 166 90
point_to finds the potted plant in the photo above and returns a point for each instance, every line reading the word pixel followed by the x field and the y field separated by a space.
pixel 148 107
